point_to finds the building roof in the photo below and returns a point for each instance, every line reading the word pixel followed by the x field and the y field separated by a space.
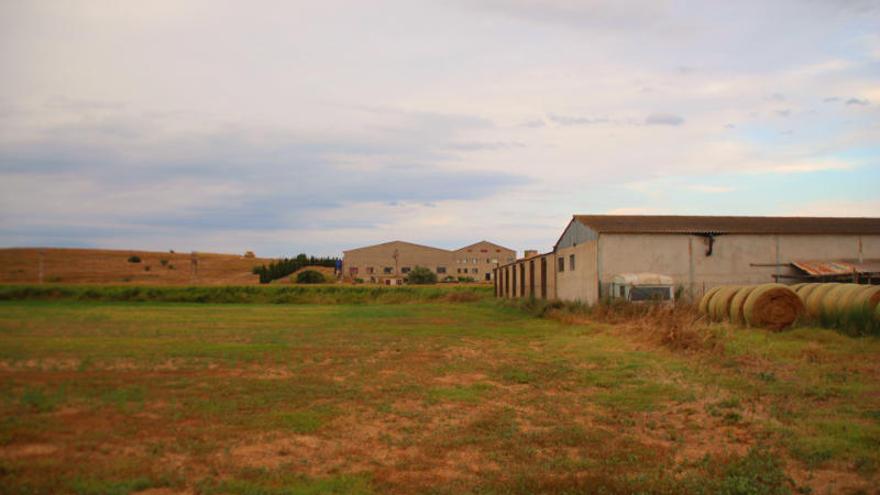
pixel 400 243
pixel 673 224
pixel 469 246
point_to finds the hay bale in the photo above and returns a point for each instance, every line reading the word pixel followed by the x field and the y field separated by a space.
pixel 804 291
pixel 772 306
pixel 868 298
pixel 736 304
pixel 831 303
pixel 707 297
pixel 719 306
pixel 797 286
pixel 845 301
pixel 877 313
pixel 814 300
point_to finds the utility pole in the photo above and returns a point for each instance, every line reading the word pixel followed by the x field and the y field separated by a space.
pixel 194 267
pixel 40 255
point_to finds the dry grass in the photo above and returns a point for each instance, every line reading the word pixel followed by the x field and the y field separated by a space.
pixel 104 266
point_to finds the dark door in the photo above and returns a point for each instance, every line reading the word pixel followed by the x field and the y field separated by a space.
pixel 543 278
pixel 532 278
pixel 522 279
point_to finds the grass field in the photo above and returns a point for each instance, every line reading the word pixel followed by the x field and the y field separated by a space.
pixel 108 266
pixel 420 397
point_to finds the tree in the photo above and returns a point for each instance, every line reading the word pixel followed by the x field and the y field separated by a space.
pixel 421 276
pixel 310 277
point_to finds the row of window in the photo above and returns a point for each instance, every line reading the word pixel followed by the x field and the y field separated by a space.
pixel 560 263
pixel 388 270
pixel 465 270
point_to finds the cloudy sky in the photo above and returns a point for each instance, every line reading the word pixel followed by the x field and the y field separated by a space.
pixel 288 126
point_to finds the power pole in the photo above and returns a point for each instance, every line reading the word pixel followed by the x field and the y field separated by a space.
pixel 194 268
pixel 40 255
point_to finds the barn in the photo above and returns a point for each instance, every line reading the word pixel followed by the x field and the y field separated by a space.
pixel 697 252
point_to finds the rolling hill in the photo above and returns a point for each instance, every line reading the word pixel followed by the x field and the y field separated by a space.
pixel 105 266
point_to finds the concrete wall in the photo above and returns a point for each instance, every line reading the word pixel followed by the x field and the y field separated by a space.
pixel 733 258
pixel 580 284
pixel 373 263
pixel 479 260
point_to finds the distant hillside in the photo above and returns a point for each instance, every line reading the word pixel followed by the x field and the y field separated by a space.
pixel 104 266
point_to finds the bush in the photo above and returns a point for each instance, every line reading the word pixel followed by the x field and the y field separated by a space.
pixel 421 276
pixel 449 278
pixel 134 259
pixel 466 279
pixel 310 277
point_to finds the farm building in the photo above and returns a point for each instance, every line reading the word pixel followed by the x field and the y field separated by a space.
pixel 388 262
pixel 697 252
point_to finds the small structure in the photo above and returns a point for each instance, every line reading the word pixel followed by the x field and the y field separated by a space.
pixel 643 287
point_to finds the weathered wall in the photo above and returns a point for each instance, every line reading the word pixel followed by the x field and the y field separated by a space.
pixel 373 262
pixel 580 284
pixel 478 260
pixel 683 257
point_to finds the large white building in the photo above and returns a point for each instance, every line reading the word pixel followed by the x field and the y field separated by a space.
pixel 698 252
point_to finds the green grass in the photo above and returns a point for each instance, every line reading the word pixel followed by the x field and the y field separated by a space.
pixel 424 396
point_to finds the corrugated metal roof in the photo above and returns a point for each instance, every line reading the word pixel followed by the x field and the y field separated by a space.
pixel 673 224
pixel 837 267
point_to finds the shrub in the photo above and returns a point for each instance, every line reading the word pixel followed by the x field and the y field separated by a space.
pixel 163 262
pixel 249 254
pixel 421 276
pixel 358 280
pixel 134 259
pixel 449 278
pixel 465 279
pixel 310 277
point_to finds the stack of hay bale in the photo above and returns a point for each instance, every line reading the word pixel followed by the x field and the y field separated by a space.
pixel 836 304
pixel 772 306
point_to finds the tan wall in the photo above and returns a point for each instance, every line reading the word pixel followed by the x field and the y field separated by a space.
pixel 683 257
pixel 581 283
pixel 409 256
pixel 480 259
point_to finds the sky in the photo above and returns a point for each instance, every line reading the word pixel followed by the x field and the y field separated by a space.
pixel 285 127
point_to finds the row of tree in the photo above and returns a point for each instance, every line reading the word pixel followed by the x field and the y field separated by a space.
pixel 286 266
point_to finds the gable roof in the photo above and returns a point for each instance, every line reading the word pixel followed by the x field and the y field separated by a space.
pixel 483 242
pixel 675 224
pixel 400 243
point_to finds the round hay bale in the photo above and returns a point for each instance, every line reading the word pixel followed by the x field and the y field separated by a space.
pixel 736 304
pixel 797 286
pixel 831 303
pixel 804 291
pixel 877 313
pixel 868 298
pixel 814 300
pixel 704 301
pixel 719 306
pixel 845 301
pixel 772 306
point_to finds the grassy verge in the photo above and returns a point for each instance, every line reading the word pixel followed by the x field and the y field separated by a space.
pixel 273 294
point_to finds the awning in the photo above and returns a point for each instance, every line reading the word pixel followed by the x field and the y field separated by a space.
pixel 824 268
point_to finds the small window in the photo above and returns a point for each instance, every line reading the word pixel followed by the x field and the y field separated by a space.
pixel 560 263
pixel 494 261
pixel 511 259
pixel 441 269
pixel 474 270
pixel 353 270
pixel 404 269
pixel 370 269
pixel 475 261
pixel 388 270
pixel 571 262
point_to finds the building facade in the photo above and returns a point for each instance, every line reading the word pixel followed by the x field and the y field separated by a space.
pixel 697 252
pixel 391 261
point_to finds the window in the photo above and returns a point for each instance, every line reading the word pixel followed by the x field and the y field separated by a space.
pixel 387 269
pixel 474 270
pixel 370 269
pixel 560 263
pixel 353 270
pixel 484 250
pixel 488 260
pixel 404 269
pixel 464 261
pixel 441 269
pixel 510 259
pixel 494 261
pixel 475 261
pixel 571 262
